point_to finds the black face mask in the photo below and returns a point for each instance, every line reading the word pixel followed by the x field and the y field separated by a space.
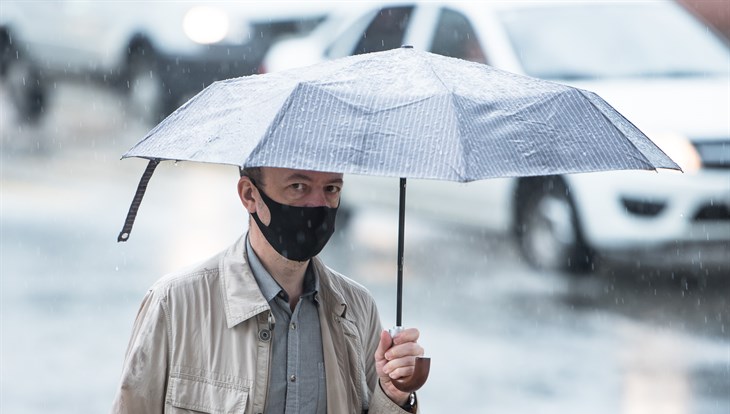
pixel 297 233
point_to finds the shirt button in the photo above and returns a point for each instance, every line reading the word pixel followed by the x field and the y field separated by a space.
pixel 293 378
pixel 293 326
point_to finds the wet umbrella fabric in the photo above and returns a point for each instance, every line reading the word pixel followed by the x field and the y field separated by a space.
pixel 400 113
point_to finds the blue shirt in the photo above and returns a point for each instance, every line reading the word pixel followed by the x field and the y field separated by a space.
pixel 296 379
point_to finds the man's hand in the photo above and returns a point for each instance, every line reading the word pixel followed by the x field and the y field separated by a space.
pixel 395 358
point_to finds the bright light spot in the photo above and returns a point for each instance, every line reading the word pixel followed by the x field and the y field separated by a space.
pixel 679 149
pixel 205 25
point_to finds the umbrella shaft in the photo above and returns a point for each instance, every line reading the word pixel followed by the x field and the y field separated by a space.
pixel 401 234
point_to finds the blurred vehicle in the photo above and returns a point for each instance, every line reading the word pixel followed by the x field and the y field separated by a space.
pixel 160 53
pixel 652 61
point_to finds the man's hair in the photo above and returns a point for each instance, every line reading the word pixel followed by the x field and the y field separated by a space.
pixel 253 173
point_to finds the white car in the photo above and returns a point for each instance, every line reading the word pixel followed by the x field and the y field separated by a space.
pixel 160 52
pixel 652 61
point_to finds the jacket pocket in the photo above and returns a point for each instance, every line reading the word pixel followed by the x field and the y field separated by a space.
pixel 205 395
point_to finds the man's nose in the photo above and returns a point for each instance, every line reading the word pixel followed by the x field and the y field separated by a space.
pixel 319 199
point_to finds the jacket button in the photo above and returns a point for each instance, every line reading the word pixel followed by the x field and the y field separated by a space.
pixel 264 335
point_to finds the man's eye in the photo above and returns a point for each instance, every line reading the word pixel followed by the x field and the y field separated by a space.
pixel 297 186
pixel 332 189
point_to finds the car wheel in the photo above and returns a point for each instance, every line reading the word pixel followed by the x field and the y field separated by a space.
pixel 148 96
pixel 548 230
pixel 26 90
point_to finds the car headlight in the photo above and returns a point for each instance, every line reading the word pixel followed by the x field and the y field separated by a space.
pixel 680 149
pixel 206 25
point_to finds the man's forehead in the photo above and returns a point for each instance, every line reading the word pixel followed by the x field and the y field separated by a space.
pixel 294 174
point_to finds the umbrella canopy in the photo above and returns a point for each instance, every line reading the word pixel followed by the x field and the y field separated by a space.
pixel 402 113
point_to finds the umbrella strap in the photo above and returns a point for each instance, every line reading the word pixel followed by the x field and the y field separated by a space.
pixel 141 188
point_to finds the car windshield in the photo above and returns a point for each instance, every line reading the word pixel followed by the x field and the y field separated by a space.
pixel 613 41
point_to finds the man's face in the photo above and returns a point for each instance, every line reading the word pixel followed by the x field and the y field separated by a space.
pixel 292 212
pixel 298 188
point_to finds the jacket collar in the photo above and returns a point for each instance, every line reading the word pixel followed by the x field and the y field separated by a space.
pixel 330 292
pixel 242 297
pixel 241 294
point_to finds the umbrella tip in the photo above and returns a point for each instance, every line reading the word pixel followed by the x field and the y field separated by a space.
pixel 407 47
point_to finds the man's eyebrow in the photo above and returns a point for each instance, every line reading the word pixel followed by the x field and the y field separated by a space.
pixel 300 176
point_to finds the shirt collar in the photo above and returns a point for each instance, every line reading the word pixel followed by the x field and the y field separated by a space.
pixel 270 288
pixel 242 296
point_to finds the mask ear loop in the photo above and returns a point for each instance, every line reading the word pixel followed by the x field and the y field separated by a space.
pixel 139 194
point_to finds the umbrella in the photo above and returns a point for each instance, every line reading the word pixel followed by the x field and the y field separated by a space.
pixel 401 113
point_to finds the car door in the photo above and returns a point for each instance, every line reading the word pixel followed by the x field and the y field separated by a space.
pixel 380 29
pixel 454 36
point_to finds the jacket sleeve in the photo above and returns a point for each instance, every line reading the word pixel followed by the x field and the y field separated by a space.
pixel 144 375
pixel 381 404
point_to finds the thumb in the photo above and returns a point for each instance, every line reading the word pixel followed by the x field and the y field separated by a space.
pixel 385 343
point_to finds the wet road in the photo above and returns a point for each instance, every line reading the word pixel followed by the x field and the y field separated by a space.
pixel 503 338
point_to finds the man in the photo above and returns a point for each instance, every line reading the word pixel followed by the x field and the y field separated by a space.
pixel 265 326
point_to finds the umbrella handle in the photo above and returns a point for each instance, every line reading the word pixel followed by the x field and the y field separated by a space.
pixel 420 372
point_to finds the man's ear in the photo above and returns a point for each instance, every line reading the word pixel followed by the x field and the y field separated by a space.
pixel 246 191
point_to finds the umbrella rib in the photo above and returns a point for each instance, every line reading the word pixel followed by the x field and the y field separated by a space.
pixel 452 98
pixel 631 142
pixel 275 123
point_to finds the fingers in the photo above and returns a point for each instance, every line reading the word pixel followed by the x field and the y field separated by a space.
pixel 403 350
pixel 399 359
pixel 386 342
pixel 406 335
pixel 399 368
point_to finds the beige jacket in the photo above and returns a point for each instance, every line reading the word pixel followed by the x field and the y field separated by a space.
pixel 200 343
